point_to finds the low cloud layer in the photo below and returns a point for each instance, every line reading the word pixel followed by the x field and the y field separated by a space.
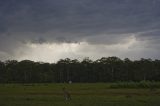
pixel 96 28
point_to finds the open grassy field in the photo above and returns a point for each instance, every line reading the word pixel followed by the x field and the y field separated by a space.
pixel 96 94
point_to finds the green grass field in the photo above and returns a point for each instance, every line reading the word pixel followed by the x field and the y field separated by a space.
pixel 96 94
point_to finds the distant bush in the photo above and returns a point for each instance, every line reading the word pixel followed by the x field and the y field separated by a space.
pixel 141 84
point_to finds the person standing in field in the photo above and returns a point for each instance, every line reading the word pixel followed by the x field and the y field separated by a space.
pixel 66 94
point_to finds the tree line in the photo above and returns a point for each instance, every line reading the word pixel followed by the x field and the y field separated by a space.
pixel 106 69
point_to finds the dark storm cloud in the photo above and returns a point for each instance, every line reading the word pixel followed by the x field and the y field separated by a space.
pixel 93 21
pixel 86 17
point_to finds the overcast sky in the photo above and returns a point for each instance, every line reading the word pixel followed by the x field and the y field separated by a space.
pixel 48 30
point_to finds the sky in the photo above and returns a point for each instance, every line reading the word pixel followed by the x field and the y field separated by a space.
pixel 49 30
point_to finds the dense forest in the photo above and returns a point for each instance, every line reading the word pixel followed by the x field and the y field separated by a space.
pixel 106 69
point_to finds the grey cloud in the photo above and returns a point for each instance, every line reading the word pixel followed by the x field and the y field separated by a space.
pixel 104 22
